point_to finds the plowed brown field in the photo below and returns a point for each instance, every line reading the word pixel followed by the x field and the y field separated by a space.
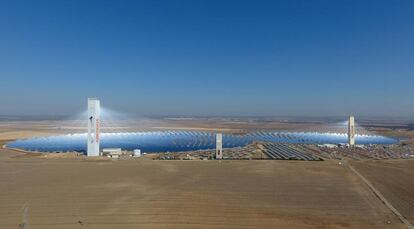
pixel 76 193
pixel 395 180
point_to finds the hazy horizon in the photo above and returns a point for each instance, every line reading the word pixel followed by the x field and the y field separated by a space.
pixel 294 119
pixel 208 58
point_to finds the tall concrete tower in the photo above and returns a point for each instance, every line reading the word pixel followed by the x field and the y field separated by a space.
pixel 351 131
pixel 219 146
pixel 94 109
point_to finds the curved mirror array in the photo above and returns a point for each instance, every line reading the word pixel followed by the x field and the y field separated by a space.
pixel 175 141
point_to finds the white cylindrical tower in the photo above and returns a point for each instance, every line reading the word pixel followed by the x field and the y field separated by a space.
pixel 94 125
pixel 219 146
pixel 351 131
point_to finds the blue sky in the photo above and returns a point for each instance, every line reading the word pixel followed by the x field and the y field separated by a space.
pixel 272 58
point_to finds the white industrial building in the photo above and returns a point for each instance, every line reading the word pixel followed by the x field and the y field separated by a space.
pixel 137 153
pixel 112 152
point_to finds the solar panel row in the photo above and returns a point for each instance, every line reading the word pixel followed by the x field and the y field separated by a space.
pixel 281 151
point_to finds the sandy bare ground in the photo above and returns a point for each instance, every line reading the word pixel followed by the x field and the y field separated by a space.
pixel 76 193
pixel 395 180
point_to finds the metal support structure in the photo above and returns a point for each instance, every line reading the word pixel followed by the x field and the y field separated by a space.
pixel 94 109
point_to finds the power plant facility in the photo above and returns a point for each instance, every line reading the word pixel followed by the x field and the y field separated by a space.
pixel 351 131
pixel 94 109
pixel 219 146
pixel 181 140
pixel 142 142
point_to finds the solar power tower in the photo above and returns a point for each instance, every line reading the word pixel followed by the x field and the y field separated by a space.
pixel 94 109
pixel 351 131
pixel 219 146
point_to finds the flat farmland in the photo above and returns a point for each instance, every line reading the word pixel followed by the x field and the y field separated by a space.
pixel 83 193
pixel 395 180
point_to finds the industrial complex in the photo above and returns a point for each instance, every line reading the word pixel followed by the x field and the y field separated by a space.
pixel 213 145
pixel 277 145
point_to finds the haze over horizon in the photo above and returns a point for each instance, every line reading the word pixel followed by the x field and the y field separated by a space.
pixel 219 58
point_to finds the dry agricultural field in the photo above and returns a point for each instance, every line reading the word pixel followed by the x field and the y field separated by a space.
pixel 70 193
